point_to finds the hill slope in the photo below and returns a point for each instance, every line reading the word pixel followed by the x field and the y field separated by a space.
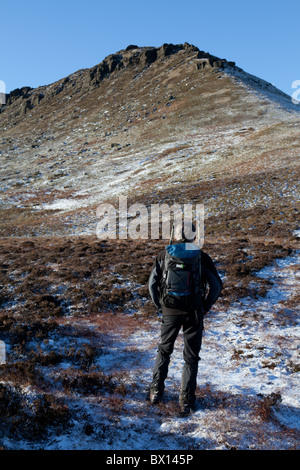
pixel 169 124
pixel 142 120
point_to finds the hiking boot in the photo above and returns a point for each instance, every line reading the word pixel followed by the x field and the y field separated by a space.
pixel 184 409
pixel 155 395
pixel 187 404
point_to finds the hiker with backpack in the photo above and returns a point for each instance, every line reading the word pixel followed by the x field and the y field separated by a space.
pixel 184 284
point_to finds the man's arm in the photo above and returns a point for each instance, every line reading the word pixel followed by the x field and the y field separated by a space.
pixel 212 278
pixel 154 284
pixel 215 286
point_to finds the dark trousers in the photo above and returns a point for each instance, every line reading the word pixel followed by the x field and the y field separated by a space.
pixel 192 327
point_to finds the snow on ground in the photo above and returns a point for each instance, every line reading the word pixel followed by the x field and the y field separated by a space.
pixel 249 366
pixel 247 357
pixel 263 89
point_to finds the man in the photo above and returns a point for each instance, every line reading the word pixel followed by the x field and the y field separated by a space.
pixel 190 318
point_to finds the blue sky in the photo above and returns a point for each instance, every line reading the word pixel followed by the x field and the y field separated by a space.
pixel 43 41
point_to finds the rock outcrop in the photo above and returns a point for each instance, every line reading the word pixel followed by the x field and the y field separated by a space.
pixel 28 98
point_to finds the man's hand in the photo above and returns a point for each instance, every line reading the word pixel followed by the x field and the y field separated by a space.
pixel 159 312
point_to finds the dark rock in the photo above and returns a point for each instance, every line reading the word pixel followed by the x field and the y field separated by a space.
pixel 168 49
pixel 131 47
pixel 113 62
pixel 148 56
pixel 210 62
pixel 37 98
pixel 23 92
pixel 190 47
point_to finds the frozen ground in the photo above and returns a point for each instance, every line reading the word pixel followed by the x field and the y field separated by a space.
pixel 248 383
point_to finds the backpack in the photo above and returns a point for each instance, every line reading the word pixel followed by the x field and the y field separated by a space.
pixel 181 278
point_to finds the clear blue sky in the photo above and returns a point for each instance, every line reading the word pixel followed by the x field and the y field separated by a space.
pixel 43 41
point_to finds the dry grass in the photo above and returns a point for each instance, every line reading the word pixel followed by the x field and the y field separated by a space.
pixel 34 421
pixel 61 302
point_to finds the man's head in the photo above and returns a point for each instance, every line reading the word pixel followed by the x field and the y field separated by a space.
pixel 185 233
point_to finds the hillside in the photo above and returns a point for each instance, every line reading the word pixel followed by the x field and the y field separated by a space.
pixel 168 124
pixel 144 119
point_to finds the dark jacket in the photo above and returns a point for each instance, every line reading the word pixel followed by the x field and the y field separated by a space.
pixel 209 277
